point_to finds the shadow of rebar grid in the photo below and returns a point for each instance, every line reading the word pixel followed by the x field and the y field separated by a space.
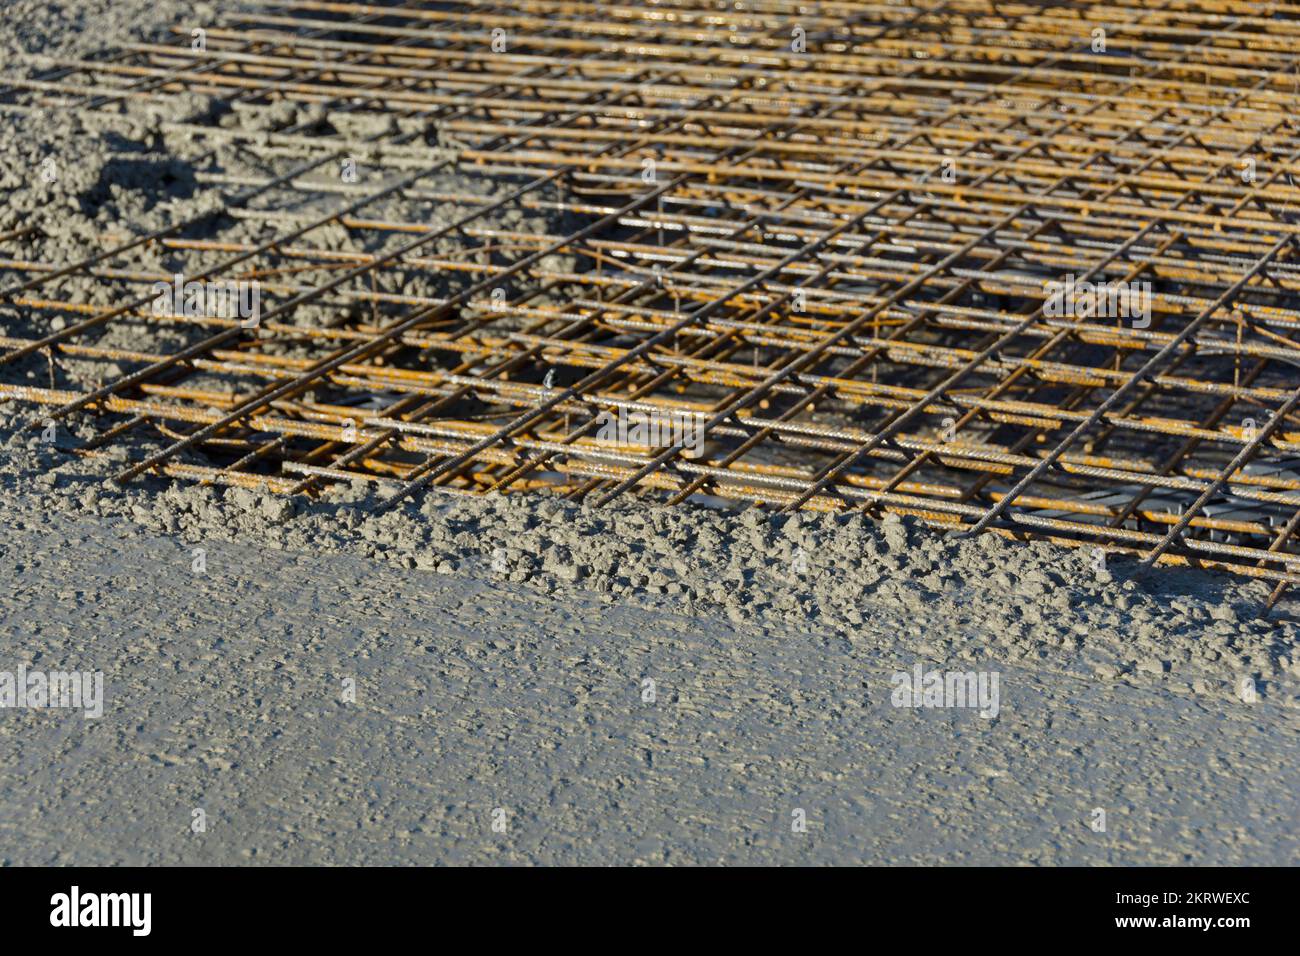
pixel 1026 269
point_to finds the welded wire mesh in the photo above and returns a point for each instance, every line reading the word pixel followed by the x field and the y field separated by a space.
pixel 1026 268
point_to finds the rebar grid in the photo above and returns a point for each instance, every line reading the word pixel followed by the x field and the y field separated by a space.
pixel 832 233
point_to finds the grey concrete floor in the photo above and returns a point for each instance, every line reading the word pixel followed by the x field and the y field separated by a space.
pixel 224 692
